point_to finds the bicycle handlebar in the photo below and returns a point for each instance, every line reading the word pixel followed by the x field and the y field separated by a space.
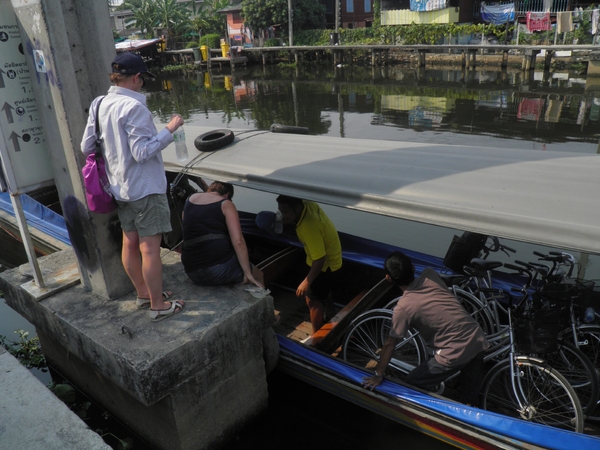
pixel 558 258
pixel 496 246
pixel 522 271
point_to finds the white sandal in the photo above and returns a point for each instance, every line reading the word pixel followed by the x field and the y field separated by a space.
pixel 157 316
pixel 145 302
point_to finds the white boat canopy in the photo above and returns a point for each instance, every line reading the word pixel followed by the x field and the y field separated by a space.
pixel 539 197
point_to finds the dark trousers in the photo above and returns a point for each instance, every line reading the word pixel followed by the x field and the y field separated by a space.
pixel 431 373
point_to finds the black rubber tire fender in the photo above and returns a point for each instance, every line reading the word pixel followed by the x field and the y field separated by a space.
pixel 278 128
pixel 214 140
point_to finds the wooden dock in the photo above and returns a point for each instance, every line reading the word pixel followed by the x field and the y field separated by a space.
pixel 380 53
pixel 189 56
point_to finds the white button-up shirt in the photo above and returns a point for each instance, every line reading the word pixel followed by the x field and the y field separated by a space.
pixel 131 144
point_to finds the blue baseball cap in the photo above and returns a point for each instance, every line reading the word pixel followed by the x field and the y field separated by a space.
pixel 269 221
pixel 129 63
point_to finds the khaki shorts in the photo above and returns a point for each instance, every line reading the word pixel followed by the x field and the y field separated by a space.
pixel 148 216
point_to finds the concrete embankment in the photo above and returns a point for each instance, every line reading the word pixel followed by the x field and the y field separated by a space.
pixel 33 418
pixel 188 382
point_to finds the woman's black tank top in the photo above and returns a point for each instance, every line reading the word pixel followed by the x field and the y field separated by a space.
pixel 201 220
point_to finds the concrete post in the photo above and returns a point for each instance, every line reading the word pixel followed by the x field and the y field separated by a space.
pixel 504 64
pixel 76 41
pixel 529 57
pixel 473 59
pixel 548 59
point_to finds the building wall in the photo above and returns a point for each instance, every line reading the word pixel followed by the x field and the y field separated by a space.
pixel 356 13
pixel 118 19
pixel 466 11
pixel 235 29
pixel 406 17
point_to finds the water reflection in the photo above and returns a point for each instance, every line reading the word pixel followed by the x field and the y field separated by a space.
pixel 535 110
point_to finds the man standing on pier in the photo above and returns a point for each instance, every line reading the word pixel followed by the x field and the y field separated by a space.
pixel 323 254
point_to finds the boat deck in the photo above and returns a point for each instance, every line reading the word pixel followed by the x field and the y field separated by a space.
pixel 295 320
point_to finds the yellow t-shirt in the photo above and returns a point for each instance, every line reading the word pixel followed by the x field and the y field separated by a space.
pixel 319 237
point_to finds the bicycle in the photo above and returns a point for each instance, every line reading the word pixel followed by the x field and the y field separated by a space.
pixel 567 359
pixel 475 289
pixel 575 297
pixel 518 386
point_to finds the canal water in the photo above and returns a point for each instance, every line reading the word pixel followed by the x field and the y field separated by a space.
pixel 541 112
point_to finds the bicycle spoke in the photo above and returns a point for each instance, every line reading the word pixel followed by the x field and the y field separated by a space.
pixel 363 343
pixel 534 392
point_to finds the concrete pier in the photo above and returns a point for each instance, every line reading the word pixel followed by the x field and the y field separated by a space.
pixel 187 382
pixel 32 417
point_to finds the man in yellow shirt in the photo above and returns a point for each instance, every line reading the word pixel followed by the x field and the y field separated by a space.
pixel 323 252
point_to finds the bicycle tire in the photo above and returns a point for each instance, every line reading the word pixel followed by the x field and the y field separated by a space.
pixel 476 309
pixel 391 304
pixel 588 341
pixel 364 340
pixel 547 396
pixel 579 371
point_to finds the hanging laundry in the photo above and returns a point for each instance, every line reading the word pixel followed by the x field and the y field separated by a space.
pixel 564 22
pixel 538 21
pixel 581 115
pixel 530 108
pixel 595 17
pixel 595 110
pixel 498 14
pixel 428 5
pixel 553 110
pixel 547 5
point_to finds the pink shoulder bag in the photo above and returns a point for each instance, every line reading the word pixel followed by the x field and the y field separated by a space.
pixel 97 188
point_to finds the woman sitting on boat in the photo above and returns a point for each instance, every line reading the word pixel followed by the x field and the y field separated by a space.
pixel 214 250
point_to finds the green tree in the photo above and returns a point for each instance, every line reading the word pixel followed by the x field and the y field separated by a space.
pixel 307 14
pixel 206 19
pixel 173 16
pixel 144 16
pixel 128 5
pixel 169 14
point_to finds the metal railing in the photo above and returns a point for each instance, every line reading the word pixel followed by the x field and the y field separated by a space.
pixel 525 6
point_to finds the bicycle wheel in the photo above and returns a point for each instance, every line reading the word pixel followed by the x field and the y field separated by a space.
pixel 579 372
pixel 364 340
pixel 545 395
pixel 588 341
pixel 477 310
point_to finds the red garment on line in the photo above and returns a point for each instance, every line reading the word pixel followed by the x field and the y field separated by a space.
pixel 530 108
pixel 538 21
